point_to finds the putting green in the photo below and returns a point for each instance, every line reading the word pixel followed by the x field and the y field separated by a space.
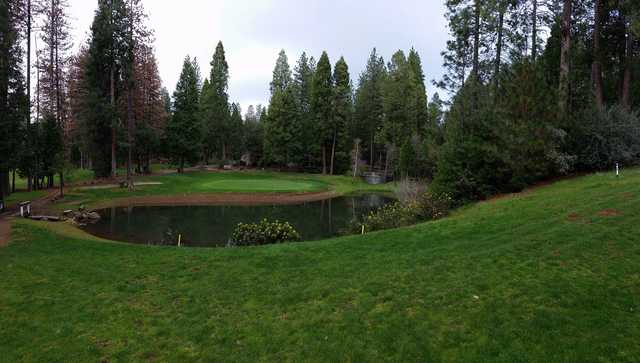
pixel 258 185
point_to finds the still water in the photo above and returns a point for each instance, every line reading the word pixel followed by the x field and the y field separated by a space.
pixel 212 226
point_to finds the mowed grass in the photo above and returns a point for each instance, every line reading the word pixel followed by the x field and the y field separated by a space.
pixel 552 275
pixel 196 183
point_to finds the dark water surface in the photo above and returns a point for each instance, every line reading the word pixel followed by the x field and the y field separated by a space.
pixel 212 226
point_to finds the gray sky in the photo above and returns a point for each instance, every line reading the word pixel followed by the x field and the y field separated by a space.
pixel 254 31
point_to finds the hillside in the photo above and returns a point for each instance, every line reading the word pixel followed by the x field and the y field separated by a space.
pixel 552 274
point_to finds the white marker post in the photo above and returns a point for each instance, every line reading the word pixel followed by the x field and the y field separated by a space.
pixel 179 240
pixel 617 169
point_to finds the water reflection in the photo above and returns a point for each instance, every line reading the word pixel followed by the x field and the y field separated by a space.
pixel 209 226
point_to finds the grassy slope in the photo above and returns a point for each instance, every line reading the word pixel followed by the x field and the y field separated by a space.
pixel 546 276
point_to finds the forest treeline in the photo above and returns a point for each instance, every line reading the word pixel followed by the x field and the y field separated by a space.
pixel 534 89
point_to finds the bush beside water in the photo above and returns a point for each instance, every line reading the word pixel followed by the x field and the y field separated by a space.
pixel 263 233
pixel 425 207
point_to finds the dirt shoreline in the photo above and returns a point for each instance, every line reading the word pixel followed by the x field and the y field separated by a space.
pixel 217 199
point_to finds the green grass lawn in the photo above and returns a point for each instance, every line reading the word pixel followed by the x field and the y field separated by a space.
pixel 232 182
pixel 552 275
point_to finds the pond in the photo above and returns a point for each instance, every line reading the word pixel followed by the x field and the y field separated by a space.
pixel 212 226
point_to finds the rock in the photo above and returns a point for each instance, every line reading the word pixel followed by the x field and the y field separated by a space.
pixel 84 218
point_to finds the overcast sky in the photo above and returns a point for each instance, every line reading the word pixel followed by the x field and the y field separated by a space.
pixel 254 31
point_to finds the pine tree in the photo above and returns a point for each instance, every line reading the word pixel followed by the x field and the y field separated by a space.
pixel 281 138
pixel 13 100
pixel 419 98
pixel 322 108
pixel 283 130
pixel 253 135
pixel 215 107
pixel 281 74
pixel 54 61
pixel 369 105
pixel 399 102
pixel 234 141
pixel 103 77
pixel 302 82
pixel 183 134
pixel 342 117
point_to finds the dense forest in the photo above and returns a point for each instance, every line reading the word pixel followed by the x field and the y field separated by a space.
pixel 533 89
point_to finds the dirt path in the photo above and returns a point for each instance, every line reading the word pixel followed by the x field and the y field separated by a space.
pixel 5 231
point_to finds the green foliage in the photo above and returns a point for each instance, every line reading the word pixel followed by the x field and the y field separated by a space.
pixel 218 128
pixel 284 130
pixel 608 137
pixel 282 139
pixel 281 74
pixel 399 108
pixel 407 159
pixel 472 163
pixel 263 233
pixel 427 207
pixel 322 108
pixel 253 135
pixel 342 116
pixel 183 133
pixel 50 147
pixel 103 80
pixel 369 107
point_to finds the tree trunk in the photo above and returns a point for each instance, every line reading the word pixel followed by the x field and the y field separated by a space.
pixel 498 61
pixel 29 141
pixel 372 160
pixel 114 164
pixel 564 88
pixel 476 41
pixel 13 184
pixel 333 152
pixel 4 184
pixel 596 67
pixel 61 185
pixel 130 131
pixel 534 32
pixel 324 160
pixel 625 98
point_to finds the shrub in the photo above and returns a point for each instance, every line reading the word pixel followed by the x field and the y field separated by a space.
pixel 263 233
pixel 608 137
pixel 427 207
pixel 408 190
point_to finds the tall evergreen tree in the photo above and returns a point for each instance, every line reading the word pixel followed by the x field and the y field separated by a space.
pixel 183 132
pixel 342 117
pixel 281 73
pixel 369 105
pixel 284 129
pixel 13 101
pixel 103 77
pixel 322 108
pixel 282 143
pixel 215 107
pixel 419 98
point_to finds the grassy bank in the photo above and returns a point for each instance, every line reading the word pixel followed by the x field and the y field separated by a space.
pixel 552 275
pixel 197 183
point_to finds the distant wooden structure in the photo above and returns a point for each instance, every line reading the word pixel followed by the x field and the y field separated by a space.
pixel 25 209
pixel 374 178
